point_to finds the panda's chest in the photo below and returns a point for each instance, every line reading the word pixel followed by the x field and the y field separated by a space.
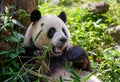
pixel 56 63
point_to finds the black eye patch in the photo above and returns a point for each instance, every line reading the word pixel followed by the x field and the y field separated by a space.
pixel 64 31
pixel 51 32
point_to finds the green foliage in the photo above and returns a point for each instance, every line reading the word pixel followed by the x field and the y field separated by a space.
pixel 88 30
pixel 12 27
pixel 15 37
pixel 110 66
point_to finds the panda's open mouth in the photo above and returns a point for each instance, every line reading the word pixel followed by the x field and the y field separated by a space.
pixel 57 49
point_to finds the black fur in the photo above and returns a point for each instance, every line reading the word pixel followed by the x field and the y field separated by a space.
pixel 56 62
pixel 64 31
pixel 63 16
pixel 35 15
pixel 75 54
pixel 30 53
pixel 79 58
pixel 51 32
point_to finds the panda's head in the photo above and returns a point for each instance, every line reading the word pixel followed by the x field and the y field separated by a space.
pixel 53 29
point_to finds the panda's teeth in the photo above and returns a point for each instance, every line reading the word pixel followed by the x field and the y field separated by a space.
pixel 58 49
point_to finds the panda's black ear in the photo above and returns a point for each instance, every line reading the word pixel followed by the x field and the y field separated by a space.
pixel 35 15
pixel 63 16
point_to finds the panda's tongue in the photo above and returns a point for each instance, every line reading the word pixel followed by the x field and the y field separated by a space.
pixel 58 49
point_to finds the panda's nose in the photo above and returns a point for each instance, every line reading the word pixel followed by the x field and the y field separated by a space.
pixel 63 39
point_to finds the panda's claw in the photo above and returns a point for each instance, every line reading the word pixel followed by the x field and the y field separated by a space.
pixel 38 52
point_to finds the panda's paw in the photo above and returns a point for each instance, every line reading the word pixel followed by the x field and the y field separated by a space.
pixel 79 60
pixel 75 53
pixel 38 52
pixel 78 56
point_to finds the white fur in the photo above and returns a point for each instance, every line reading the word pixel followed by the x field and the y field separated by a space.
pixel 28 36
pixel 67 76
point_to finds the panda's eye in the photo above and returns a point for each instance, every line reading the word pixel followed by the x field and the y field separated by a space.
pixel 51 32
pixel 64 31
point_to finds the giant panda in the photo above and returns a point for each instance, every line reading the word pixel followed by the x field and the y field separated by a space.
pixel 54 32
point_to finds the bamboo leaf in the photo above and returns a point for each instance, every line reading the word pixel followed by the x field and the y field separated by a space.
pixel 17 23
pixel 37 35
pixel 87 77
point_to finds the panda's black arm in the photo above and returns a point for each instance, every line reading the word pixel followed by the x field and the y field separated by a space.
pixel 79 58
pixel 29 53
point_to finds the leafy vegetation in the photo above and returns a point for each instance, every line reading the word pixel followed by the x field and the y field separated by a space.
pixel 10 66
pixel 88 30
